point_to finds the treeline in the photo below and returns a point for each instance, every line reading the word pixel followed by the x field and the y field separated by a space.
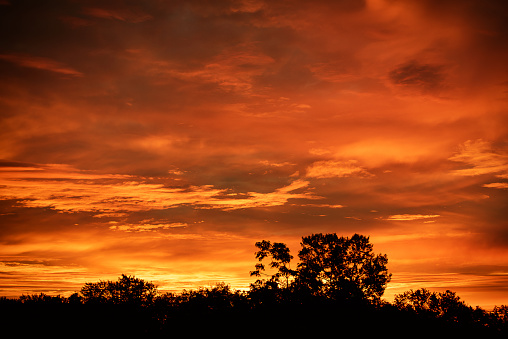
pixel 335 289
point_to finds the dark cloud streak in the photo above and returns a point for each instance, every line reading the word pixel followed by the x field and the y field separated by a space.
pixel 425 77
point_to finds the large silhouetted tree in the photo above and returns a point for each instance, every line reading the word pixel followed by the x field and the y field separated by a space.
pixel 342 267
pixel 330 266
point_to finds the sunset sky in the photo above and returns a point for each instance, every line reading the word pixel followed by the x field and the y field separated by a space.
pixel 162 139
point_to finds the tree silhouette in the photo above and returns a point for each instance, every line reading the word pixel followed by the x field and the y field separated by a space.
pixel 445 311
pixel 421 301
pixel 445 306
pixel 281 259
pixel 127 290
pixel 341 267
pixel 218 298
pixel 42 298
pixel 499 317
pixel 501 313
pixel 337 286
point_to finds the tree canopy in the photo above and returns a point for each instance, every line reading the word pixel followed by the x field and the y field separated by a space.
pixel 280 260
pixel 127 289
pixel 330 266
pixel 342 267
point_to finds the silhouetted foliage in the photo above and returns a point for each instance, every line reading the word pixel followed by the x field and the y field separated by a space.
pixel 501 313
pixel 42 298
pixel 126 290
pixel 331 267
pixel 281 259
pixel 448 308
pixel 499 316
pixel 341 267
pixel 336 288
pixel 421 301
pixel 446 305
pixel 218 298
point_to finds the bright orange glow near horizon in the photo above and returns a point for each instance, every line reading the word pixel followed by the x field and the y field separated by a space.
pixel 162 139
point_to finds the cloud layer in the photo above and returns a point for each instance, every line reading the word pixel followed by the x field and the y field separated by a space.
pixel 165 139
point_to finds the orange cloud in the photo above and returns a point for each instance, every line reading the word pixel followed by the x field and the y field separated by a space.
pixel 483 159
pixel 145 226
pixel 98 194
pixel 411 217
pixel 497 185
pixel 339 169
pixel 123 14
pixel 40 63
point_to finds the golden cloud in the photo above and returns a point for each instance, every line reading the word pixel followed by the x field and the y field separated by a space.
pixel 339 169
pixel 145 226
pixel 497 185
pixel 107 195
pixel 410 217
pixel 482 159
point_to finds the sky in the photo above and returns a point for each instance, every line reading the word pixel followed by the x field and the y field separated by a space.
pixel 162 139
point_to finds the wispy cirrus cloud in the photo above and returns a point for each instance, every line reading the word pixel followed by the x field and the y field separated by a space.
pixel 145 226
pixel 338 169
pixel 502 185
pixel 122 14
pixel 482 159
pixel 411 217
pixel 47 64
pixel 234 69
pixel 68 190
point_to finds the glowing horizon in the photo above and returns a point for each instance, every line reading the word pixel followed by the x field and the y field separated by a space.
pixel 163 140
